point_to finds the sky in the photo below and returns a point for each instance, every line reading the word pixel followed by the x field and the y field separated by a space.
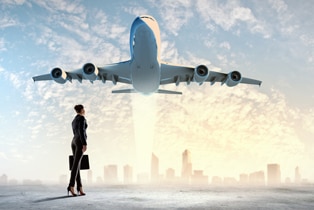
pixel 227 130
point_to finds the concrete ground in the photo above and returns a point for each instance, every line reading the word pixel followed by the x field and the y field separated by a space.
pixel 165 197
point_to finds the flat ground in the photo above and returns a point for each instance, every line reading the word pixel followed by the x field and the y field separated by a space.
pixel 165 197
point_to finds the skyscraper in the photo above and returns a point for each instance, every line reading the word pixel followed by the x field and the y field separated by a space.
pixel 257 178
pixel 199 178
pixel 111 174
pixel 244 179
pixel 128 174
pixel 273 174
pixel 186 166
pixel 154 168
pixel 297 175
pixel 3 179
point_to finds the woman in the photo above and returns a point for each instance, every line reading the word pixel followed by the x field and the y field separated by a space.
pixel 78 146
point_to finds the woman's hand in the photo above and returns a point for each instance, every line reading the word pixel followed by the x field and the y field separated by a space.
pixel 84 148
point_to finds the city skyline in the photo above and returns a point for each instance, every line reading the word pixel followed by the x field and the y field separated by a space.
pixel 187 176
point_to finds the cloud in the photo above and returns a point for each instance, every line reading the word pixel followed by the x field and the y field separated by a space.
pixel 175 14
pixel 14 78
pixel 2 45
pixel 55 6
pixel 229 16
pixel 7 21
pixel 13 2
pixel 135 10
pixel 223 124
pixel 279 5
pixel 225 45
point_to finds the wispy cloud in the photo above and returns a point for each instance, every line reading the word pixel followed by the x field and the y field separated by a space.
pixel 135 10
pixel 14 78
pixel 225 45
pixel 54 6
pixel 230 15
pixel 239 122
pixel 13 2
pixel 2 45
pixel 7 21
pixel 279 5
pixel 175 14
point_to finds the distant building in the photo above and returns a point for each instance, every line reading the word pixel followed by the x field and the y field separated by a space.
pixel 127 174
pixel 297 175
pixel 244 179
pixel 216 180
pixel 257 178
pixel 273 174
pixel 154 168
pixel 89 177
pixel 186 166
pixel 111 174
pixel 4 180
pixel 198 178
pixel 170 174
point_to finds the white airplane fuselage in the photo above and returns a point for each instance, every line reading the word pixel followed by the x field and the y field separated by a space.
pixel 144 49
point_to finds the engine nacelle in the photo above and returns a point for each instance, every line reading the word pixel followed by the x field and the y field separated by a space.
pixel 90 71
pixel 200 74
pixel 58 75
pixel 233 78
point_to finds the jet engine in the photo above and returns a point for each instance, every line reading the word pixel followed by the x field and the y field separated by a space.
pixel 200 74
pixel 233 78
pixel 90 71
pixel 58 75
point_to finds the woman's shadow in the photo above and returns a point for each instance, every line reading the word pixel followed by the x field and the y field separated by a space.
pixel 52 198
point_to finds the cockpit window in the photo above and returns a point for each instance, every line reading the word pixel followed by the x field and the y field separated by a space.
pixel 148 17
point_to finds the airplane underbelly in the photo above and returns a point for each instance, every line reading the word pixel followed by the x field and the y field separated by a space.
pixel 146 78
pixel 145 68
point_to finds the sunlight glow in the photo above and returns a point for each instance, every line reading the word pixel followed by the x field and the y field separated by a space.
pixel 144 115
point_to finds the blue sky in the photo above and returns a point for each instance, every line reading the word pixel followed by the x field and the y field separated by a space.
pixel 227 130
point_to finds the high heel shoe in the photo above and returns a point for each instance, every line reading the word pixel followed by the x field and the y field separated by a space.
pixel 71 189
pixel 80 191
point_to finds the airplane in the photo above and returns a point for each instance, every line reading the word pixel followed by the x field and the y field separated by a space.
pixel 145 71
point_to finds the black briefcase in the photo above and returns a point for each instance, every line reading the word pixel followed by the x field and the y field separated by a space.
pixel 84 162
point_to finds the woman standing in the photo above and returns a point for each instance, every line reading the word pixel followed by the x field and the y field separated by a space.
pixel 78 146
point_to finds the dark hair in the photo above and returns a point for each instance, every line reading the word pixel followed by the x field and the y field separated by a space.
pixel 78 108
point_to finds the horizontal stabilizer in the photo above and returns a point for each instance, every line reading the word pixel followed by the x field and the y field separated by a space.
pixel 124 91
pixel 158 91
pixel 169 92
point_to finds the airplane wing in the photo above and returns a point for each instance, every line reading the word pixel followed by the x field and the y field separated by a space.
pixel 171 73
pixel 117 72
